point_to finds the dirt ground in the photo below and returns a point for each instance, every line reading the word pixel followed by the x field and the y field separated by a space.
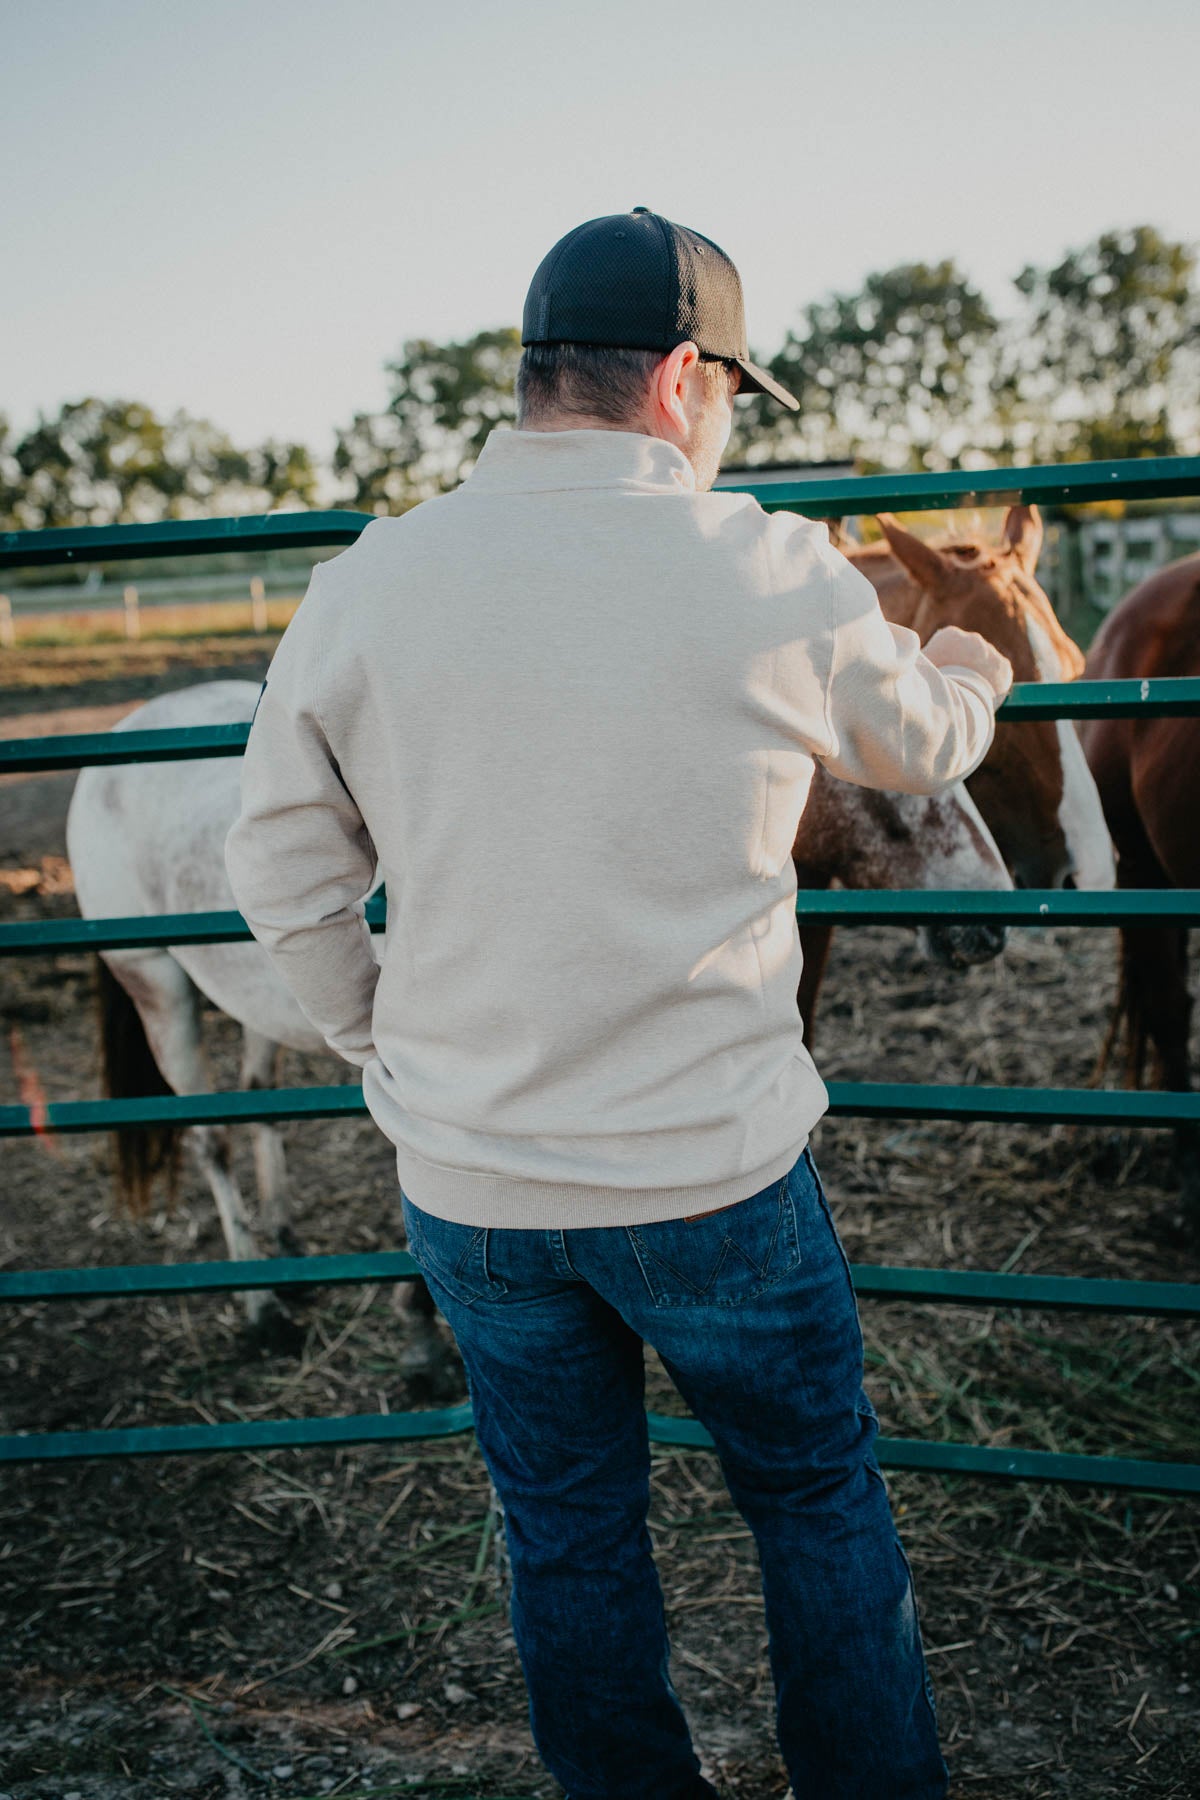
pixel 329 1623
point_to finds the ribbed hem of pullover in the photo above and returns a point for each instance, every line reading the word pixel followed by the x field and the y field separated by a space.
pixel 468 1197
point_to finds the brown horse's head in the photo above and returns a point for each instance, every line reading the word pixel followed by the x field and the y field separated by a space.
pixel 1033 787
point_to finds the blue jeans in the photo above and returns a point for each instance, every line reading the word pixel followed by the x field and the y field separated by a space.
pixel 751 1310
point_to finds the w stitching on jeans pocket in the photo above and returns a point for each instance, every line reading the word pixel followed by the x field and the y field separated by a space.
pixel 469 1279
pixel 713 1245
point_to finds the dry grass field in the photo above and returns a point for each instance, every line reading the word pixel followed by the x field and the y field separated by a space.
pixel 328 1622
pixel 105 626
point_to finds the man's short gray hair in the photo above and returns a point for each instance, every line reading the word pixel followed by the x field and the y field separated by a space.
pixel 596 381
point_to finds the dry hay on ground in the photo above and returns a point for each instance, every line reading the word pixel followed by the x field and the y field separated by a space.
pixel 42 677
pixel 175 1624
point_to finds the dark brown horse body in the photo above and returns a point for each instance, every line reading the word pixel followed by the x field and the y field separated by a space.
pixel 1147 771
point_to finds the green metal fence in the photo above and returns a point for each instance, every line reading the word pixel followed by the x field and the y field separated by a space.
pixel 1146 478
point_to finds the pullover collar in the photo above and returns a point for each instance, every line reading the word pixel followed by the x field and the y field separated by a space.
pixel 525 462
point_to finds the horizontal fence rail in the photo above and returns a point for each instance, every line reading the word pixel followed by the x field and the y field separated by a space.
pixel 1131 478
pixel 389 1428
pixel 100 749
pixel 847 1099
pixel 1055 484
pixel 836 906
pixel 180 537
pixel 877 1281
pixel 1029 700
pixel 1153 699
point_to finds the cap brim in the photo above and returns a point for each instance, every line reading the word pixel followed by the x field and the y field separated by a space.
pixel 757 381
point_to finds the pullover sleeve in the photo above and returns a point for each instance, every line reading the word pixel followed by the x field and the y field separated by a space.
pixel 893 720
pixel 299 857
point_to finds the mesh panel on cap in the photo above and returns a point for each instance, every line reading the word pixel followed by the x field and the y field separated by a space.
pixel 710 309
pixel 604 288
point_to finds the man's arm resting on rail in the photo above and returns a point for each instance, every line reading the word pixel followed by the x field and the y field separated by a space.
pixel 899 718
pixel 300 858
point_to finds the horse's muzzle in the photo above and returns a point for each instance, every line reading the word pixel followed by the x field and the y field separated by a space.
pixel 958 946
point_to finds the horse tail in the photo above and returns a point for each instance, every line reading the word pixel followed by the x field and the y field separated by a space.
pixel 128 1070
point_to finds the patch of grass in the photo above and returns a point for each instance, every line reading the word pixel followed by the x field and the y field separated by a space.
pixel 228 618
pixel 1104 1386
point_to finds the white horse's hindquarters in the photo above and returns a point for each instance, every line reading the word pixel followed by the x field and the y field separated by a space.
pixel 147 838
pixel 240 979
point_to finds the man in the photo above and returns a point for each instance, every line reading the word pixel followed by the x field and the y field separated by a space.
pixel 570 712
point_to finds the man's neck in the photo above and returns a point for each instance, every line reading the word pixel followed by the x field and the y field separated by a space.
pixel 573 422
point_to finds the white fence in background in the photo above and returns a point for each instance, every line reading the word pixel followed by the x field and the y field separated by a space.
pixel 1116 554
pixel 132 598
pixel 168 590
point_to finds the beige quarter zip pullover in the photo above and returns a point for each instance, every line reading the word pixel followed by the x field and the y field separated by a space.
pixel 569 713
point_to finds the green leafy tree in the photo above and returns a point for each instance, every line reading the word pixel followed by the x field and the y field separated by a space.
pixel 911 370
pixel 1103 361
pixel 10 474
pixel 104 462
pixel 896 374
pixel 445 400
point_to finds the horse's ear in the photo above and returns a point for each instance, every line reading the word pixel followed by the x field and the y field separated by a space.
pixel 927 566
pixel 1023 535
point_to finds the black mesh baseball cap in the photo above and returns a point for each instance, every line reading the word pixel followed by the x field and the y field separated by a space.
pixel 640 281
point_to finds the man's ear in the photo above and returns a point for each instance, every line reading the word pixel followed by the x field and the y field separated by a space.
pixel 927 566
pixel 675 363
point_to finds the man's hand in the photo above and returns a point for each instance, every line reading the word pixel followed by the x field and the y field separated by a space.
pixel 951 647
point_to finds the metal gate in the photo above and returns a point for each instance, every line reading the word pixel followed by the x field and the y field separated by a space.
pixel 1145 478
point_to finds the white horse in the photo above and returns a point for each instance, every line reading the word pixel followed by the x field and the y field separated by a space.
pixel 149 837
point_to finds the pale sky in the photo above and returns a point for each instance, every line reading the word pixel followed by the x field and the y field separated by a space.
pixel 243 207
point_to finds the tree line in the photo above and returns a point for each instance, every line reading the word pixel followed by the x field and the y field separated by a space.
pixel 1098 357
pixel 107 462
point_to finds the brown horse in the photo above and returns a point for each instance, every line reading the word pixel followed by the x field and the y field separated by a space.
pixel 1146 771
pixel 1034 789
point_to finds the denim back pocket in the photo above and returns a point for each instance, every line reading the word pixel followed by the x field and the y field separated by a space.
pixel 451 1256
pixel 723 1258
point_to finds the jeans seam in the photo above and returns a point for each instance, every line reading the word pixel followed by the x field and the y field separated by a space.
pixel 926 1679
pixel 496 1287
pixel 841 1249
